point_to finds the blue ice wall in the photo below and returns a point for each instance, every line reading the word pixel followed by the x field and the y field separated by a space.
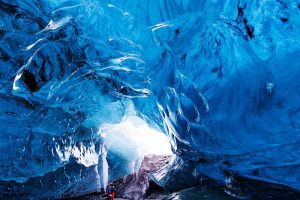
pixel 220 78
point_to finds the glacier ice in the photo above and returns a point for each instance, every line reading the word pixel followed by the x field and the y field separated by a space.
pixel 220 78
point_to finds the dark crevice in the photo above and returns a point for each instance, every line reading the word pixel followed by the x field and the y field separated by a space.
pixel 8 8
pixel 218 71
pixel 3 55
pixel 154 188
pixel 30 81
pixel 177 31
pixel 284 20
pixel 243 20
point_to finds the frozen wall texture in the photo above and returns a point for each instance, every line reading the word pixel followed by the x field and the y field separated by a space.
pixel 220 78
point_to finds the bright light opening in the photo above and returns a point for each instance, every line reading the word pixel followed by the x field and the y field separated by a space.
pixel 133 139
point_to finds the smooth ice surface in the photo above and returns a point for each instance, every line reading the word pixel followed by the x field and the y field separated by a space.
pixel 221 78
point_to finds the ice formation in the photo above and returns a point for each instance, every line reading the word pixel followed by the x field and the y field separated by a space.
pixel 221 78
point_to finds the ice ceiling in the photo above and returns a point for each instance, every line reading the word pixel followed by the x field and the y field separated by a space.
pixel 221 78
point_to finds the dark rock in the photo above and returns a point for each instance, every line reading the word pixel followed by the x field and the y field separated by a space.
pixel 138 185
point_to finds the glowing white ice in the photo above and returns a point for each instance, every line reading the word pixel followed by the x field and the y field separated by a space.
pixel 133 138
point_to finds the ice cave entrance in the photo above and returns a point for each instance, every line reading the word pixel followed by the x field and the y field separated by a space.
pixel 132 139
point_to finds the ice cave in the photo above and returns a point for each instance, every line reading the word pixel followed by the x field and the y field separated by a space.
pixel 158 99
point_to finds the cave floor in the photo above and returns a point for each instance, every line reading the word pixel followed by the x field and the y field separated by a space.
pixel 194 193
